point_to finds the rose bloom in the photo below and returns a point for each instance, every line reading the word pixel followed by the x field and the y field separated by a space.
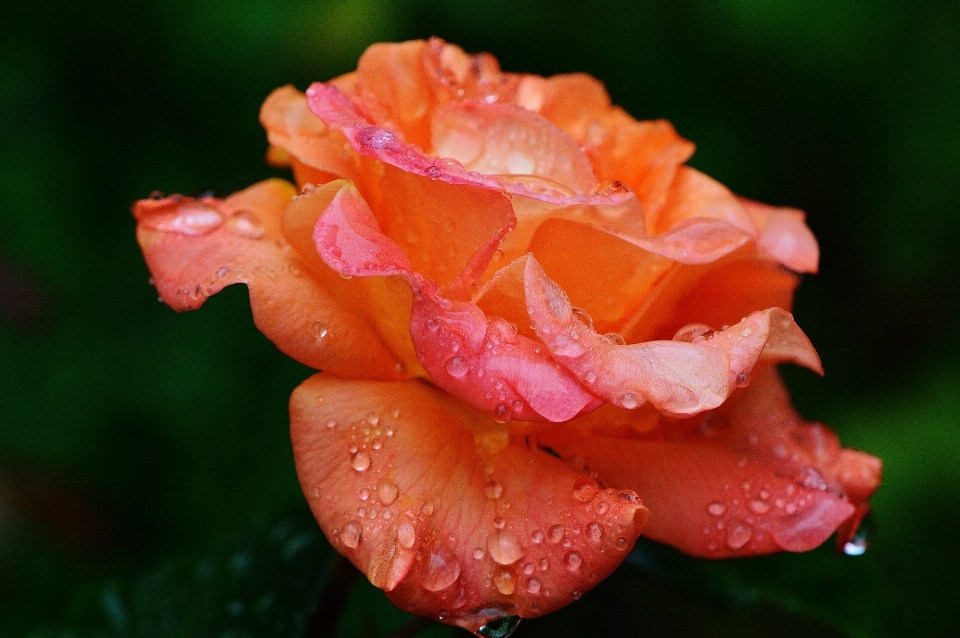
pixel 539 333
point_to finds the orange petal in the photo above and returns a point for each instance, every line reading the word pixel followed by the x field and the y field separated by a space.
pixel 461 532
pixel 749 478
pixel 692 195
pixel 784 235
pixel 572 101
pixel 503 139
pixel 196 247
pixel 385 144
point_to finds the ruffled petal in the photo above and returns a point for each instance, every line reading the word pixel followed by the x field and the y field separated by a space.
pixel 686 376
pixel 406 483
pixel 749 478
pixel 340 113
pixel 694 195
pixel 196 247
pixel 484 361
pixel 785 236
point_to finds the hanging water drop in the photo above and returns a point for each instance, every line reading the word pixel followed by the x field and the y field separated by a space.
pixel 861 539
pixel 500 628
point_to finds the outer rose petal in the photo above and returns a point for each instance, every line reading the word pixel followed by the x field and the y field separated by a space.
pixel 194 248
pixel 749 478
pixel 448 525
pixel 784 235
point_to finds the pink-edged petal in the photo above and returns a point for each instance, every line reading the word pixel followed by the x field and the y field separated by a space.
pixel 693 241
pixel 385 144
pixel 695 372
pixel 503 139
pixel 196 247
pixel 785 236
pixel 406 483
pixel 692 195
pixel 749 478
pixel 481 360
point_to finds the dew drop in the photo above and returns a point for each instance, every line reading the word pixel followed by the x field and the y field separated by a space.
pixel 307 189
pixel 376 444
pixel 350 534
pixel 504 547
pixel 387 492
pixel 590 376
pixel 533 586
pixel 622 544
pixel 528 569
pixel 331 423
pixel 360 461
pixel 537 536
pixel 440 568
pixel 505 582
pixel 364 494
pixel 614 338
pixel 594 531
pixel 478 553
pixel 629 401
pixel 585 489
pixel 320 329
pixel 572 561
pixel 497 255
pixel 738 534
pixel 500 628
pixel 861 539
pixel 555 533
pixel 245 223
pixel 190 219
pixel 759 507
pixel 583 316
pixel 493 490
pixel 716 509
pixel 499 523
pixel 544 564
pixel 692 331
pixel 406 535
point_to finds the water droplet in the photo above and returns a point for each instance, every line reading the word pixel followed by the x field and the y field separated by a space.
pixel 537 536
pixel 716 509
pixel 528 569
pixel 622 543
pixel 190 219
pixel 499 523
pixel 331 423
pixel 572 561
pixel 585 489
pixel 500 628
pixel 505 582
pixel 350 534
pixel 594 531
pixel 544 564
pixel 811 477
pixel 533 585
pixel 320 329
pixel 583 316
pixel 440 568
pixel 614 338
pixel 478 553
pixel 307 189
pixel 406 535
pixel 364 494
pixel 373 418
pixel 360 461
pixel 493 490
pixel 629 401
pixel 555 533
pixel 590 376
pixel 504 547
pixel 376 444
pixel 738 534
pixel 387 492
pixel 759 507
pixel 692 331
pixel 861 539
pixel 245 223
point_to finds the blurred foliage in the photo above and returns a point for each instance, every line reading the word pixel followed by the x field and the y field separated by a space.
pixel 128 434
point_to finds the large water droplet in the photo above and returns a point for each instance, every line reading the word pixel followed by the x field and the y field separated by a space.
pixel 594 531
pixel 387 492
pixel 861 539
pixel 693 331
pixel 555 533
pixel 572 561
pixel 585 489
pixel 505 582
pixel 406 535
pixel 533 585
pixel 360 461
pixel 629 401
pixel 738 534
pixel 504 547
pixel 440 568
pixel 191 219
pixel 500 628
pixel 320 329
pixel 351 533
pixel 245 223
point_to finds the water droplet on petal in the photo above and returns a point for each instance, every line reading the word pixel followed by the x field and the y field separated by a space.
pixel 190 219
pixel 622 543
pixel 505 582
pixel 350 534
pixel 572 561
pixel 493 490
pixel 861 539
pixel 528 569
pixel 629 401
pixel 406 535
pixel 694 330
pixel 500 628
pixel 533 585
pixel 590 376
pixel 738 534
pixel 440 568
pixel 331 423
pixel 594 531
pixel 504 547
pixel 716 509
pixel 360 461
pixel 320 329
pixel 307 189
pixel 537 536
pixel 585 489
pixel 478 553
pixel 555 533
pixel 387 492
pixel 759 507
pixel 245 224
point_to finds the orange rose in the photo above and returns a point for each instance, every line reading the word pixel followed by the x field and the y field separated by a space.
pixel 534 324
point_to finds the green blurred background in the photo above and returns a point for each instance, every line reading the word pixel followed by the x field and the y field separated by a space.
pixel 129 434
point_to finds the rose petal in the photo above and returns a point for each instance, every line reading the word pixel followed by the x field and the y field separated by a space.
pixel 744 480
pixel 196 247
pixel 405 484
pixel 695 195
pixel 784 235
pixel 383 143
pixel 572 101
pixel 483 361
pixel 502 139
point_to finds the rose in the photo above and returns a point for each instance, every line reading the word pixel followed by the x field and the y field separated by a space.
pixel 533 322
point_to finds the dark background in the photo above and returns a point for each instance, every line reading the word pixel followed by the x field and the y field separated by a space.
pixel 129 434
